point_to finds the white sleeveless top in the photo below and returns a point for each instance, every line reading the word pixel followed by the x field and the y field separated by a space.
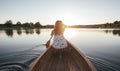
pixel 59 42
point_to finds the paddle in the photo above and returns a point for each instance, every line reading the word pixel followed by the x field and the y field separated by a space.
pixel 48 42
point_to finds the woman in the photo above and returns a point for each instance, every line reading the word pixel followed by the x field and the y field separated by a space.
pixel 59 40
pixel 61 55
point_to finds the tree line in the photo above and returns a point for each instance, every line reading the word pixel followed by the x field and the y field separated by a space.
pixel 115 24
pixel 9 24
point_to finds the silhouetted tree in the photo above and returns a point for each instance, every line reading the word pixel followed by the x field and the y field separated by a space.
pixel 31 25
pixel 18 23
pixel 38 25
pixel 116 22
pixel 26 24
pixel 9 23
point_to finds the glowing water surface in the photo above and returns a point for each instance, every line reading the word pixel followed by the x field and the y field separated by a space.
pixel 19 48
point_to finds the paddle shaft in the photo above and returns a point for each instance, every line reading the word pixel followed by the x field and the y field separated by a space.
pixel 48 42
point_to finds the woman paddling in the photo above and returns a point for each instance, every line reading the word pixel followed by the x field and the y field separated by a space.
pixel 58 40
pixel 61 55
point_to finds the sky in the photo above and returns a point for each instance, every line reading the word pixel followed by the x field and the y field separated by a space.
pixel 71 12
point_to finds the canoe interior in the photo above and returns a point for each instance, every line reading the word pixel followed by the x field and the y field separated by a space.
pixel 67 59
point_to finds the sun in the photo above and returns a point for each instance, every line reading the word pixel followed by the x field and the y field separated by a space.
pixel 69 18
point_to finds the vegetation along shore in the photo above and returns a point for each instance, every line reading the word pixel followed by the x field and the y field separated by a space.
pixel 29 25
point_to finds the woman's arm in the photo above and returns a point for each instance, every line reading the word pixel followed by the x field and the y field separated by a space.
pixel 52 33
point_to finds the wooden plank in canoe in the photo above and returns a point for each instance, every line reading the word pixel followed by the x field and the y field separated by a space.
pixel 67 59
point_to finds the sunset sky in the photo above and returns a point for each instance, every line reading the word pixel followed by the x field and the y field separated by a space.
pixel 69 11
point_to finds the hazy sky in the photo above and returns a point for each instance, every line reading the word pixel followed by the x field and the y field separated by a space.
pixel 69 11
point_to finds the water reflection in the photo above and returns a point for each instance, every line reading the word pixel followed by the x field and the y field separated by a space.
pixel 103 51
pixel 108 31
pixel 114 32
pixel 19 31
pixel 9 32
pixel 29 31
pixel 37 31
pixel 32 31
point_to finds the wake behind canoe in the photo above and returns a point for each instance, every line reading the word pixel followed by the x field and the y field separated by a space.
pixel 66 59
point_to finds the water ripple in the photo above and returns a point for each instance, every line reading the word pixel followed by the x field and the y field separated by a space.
pixel 21 62
pixel 104 65
pixel 13 67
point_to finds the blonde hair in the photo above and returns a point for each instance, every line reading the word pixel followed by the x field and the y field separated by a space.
pixel 59 27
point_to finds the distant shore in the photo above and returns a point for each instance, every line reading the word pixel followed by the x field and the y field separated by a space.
pixel 9 25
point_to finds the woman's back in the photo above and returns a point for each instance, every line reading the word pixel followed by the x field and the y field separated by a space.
pixel 58 41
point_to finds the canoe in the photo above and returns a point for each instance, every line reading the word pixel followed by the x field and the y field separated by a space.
pixel 66 59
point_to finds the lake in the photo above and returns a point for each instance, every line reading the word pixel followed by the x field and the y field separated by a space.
pixel 19 48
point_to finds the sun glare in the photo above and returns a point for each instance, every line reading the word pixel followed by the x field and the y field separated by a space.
pixel 69 18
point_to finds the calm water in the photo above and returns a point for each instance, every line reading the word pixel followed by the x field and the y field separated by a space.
pixel 19 48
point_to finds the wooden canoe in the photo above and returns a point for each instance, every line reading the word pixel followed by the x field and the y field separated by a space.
pixel 67 59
